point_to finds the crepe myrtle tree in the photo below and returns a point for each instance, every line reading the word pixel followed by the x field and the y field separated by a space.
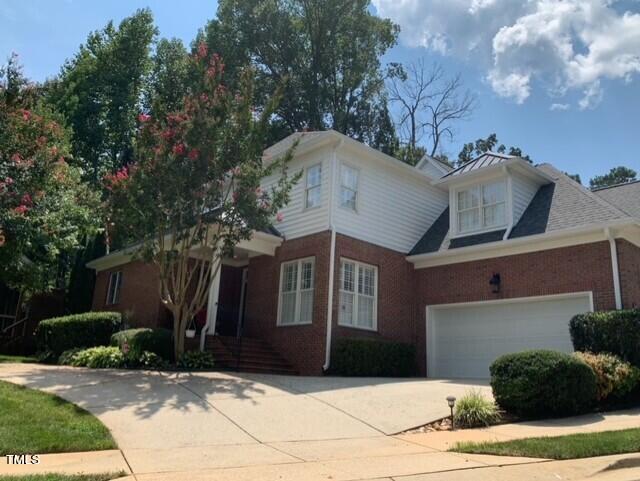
pixel 45 208
pixel 194 191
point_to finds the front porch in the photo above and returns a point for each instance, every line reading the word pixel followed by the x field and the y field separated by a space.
pixel 221 324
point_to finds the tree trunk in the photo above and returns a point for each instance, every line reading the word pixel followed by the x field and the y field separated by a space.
pixel 179 326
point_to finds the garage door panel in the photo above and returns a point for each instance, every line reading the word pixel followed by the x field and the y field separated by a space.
pixel 464 340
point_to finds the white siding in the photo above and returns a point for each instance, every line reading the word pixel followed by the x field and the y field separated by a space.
pixel 299 221
pixel 429 169
pixel 523 191
pixel 394 207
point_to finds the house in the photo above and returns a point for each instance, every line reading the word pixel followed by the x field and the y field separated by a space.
pixel 466 264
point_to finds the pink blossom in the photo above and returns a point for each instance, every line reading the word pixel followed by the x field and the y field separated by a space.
pixel 26 199
pixel 258 191
pixel 167 134
pixel 41 140
pixel 179 149
pixel 2 238
pixel 26 115
pixel 8 180
pixel 193 154
pixel 16 158
pixel 279 217
pixel 21 209
pixel 202 50
pixel 142 118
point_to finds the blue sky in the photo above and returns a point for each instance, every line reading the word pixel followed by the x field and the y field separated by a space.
pixel 519 62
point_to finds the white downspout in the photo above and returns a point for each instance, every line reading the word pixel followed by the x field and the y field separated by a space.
pixel 332 258
pixel 614 267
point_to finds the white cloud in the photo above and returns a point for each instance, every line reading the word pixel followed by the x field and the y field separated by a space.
pixel 555 107
pixel 557 45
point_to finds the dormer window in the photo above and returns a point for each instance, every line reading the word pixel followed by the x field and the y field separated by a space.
pixel 481 207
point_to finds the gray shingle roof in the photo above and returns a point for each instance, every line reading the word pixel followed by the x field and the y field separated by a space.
pixel 563 204
pixel 485 160
pixel 625 197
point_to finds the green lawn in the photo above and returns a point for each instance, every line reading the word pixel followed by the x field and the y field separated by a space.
pixel 8 358
pixel 62 477
pixel 573 446
pixel 33 422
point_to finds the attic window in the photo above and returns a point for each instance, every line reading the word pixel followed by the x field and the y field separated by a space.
pixel 481 207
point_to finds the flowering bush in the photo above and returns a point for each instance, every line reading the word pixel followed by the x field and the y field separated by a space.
pixel 45 209
pixel 614 377
pixel 195 185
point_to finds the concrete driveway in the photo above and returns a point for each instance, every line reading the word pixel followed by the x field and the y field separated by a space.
pixel 175 419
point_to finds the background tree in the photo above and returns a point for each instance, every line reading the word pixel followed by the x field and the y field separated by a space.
pixel 169 78
pixel 617 175
pixel 194 190
pixel 474 149
pixel 45 208
pixel 100 90
pixel 429 105
pixel 327 51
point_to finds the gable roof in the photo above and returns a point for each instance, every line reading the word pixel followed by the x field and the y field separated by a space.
pixel 563 204
pixel 625 197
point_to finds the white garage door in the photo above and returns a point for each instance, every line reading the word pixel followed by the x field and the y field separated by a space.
pixel 464 339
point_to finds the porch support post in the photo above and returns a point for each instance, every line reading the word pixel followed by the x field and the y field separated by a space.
pixel 212 308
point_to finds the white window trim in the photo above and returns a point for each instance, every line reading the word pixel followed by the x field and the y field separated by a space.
pixel 115 281
pixel 307 188
pixel 298 291
pixel 341 186
pixel 355 295
pixel 507 207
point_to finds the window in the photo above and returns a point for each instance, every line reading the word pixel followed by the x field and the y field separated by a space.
pixel 348 187
pixel 312 192
pixel 296 292
pixel 115 283
pixel 358 295
pixel 481 207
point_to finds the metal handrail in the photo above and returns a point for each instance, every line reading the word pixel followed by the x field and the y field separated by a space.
pixel 15 324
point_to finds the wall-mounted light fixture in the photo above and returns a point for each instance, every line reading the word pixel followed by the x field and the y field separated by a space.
pixel 495 283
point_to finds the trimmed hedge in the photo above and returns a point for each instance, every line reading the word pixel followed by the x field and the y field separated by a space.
pixel 358 357
pixel 84 330
pixel 613 332
pixel 133 342
pixel 541 383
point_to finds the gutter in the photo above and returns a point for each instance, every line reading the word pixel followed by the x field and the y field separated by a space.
pixel 332 258
pixel 614 267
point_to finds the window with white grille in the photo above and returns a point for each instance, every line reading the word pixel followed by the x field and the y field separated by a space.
pixel 358 295
pixel 296 292
pixel 113 292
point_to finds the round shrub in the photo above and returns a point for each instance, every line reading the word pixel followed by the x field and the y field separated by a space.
pixel 99 357
pixel 614 377
pixel 543 383
pixel 196 360
pixel 474 410
pixel 134 342
pixel 78 330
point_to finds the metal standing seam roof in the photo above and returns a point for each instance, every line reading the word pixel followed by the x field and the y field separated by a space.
pixel 485 160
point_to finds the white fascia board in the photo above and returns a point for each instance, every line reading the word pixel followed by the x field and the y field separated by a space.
pixel 521 245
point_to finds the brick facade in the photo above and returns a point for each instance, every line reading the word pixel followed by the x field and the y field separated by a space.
pixel 403 292
pixel 139 298
pixel 395 296
pixel 629 267
pixel 303 346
